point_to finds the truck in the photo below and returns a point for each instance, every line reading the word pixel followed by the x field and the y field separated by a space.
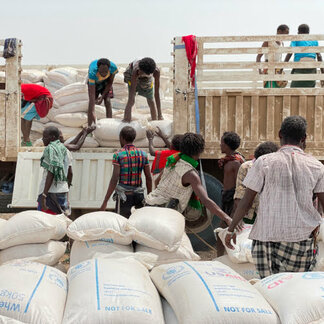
pixel 230 97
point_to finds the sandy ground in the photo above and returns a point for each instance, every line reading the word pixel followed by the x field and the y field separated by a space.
pixel 65 260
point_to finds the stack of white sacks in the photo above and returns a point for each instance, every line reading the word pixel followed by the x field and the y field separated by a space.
pixel 70 92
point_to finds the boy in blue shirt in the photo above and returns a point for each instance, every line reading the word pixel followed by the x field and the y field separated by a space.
pixel 100 79
pixel 304 57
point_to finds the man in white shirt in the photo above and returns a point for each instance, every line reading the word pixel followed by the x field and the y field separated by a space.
pixel 57 175
pixel 284 234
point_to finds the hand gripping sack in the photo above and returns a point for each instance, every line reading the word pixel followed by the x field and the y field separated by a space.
pixel 243 247
pixel 157 227
pixel 32 292
pixel 210 292
pixel 47 253
pixel 183 253
pixel 86 250
pixel 32 226
pixel 111 291
pixel 100 225
pixel 296 297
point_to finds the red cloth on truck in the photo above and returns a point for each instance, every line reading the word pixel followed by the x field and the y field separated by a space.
pixel 40 96
pixel 191 50
pixel 160 160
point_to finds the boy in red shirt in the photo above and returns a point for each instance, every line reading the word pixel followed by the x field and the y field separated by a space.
pixel 161 156
pixel 36 101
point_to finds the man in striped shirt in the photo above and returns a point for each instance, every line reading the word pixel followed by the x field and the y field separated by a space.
pixel 284 234
pixel 126 181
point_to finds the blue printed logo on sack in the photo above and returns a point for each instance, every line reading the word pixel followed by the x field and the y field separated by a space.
pixel 57 279
pixel 172 271
pixel 313 275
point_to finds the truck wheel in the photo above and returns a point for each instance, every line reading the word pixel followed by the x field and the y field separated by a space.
pixel 204 226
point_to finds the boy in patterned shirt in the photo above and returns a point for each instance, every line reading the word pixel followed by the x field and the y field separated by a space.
pixel 126 181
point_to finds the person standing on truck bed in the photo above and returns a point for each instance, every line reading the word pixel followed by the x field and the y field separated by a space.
pixel 139 77
pixel 304 57
pixel 281 30
pixel 284 234
pixel 100 79
pixel 180 180
pixel 160 157
pixel 57 176
pixel 231 163
pixel 36 101
pixel 126 180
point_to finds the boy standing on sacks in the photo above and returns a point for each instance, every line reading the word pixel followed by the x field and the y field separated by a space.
pixel 180 180
pixel 126 181
pixel 284 234
pixel 57 175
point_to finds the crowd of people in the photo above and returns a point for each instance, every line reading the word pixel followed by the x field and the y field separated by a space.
pixel 275 191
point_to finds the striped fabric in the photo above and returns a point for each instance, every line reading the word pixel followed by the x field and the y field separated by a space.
pixel 286 181
pixel 132 162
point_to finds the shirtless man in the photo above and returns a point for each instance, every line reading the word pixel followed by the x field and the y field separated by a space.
pixel 231 163
pixel 139 76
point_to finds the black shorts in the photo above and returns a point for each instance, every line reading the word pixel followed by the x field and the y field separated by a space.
pixel 100 88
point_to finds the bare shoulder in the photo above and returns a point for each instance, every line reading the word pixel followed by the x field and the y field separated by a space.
pixel 232 165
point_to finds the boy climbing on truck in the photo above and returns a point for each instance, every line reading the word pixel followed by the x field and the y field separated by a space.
pixel 139 76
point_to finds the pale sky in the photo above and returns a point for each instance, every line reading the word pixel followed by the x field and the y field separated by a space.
pixel 78 31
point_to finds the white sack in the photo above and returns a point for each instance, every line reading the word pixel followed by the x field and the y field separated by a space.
pixel 243 248
pixel 168 313
pixel 246 270
pixel 44 120
pixel 108 129
pixel 210 292
pixel 111 144
pixel 77 91
pixel 59 78
pixel 89 142
pixel 38 127
pixel 157 142
pixel 32 76
pixel 8 320
pixel 296 297
pixel 66 131
pixel 86 250
pixel 320 257
pixel 157 227
pixel 111 291
pixel 47 253
pixel 32 292
pixel 38 143
pixel 100 225
pixel 183 253
pixel 76 119
pixel 2 222
pixel 164 125
pixel 32 226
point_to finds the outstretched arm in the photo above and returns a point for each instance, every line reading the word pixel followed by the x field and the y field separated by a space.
pixel 193 179
pixel 112 186
pixel 163 136
pixel 148 178
pixel 92 101
pixel 131 97
pixel 150 136
pixel 156 76
pixel 78 141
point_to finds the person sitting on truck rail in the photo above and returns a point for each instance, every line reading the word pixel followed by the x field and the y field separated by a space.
pixel 160 156
pixel 126 180
pixel 281 30
pixel 100 79
pixel 57 175
pixel 139 76
pixel 304 57
pixel 231 163
pixel 180 180
pixel 36 101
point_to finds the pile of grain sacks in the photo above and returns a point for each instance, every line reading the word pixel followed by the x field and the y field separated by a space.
pixel 70 92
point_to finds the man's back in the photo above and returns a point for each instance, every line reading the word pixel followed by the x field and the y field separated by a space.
pixel 286 181
pixel 132 162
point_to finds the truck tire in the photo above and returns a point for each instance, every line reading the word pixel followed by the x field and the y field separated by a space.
pixel 205 228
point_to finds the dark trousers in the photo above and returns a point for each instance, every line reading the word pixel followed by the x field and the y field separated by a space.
pixel 133 199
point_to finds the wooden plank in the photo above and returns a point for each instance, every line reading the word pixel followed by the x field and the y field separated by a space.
pixel 251 76
pixel 302 106
pixel 209 119
pixel 191 114
pixel 254 118
pixel 2 123
pixel 2 68
pixel 2 41
pixel 270 118
pixel 223 114
pixel 310 113
pixel 263 38
pixel 12 107
pixel 2 79
pixel 216 117
pixel 318 116
pixel 200 59
pixel 258 65
pixel 262 50
pixel 181 84
pixel 286 106
pixel 239 115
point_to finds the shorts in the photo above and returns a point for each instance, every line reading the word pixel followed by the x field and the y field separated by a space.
pixel 28 111
pixel 147 93
pixel 100 88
